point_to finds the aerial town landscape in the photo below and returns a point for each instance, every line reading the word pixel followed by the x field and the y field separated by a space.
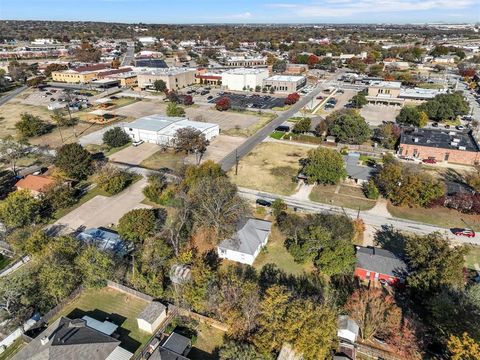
pixel 227 188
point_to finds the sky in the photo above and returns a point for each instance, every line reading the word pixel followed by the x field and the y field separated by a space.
pixel 244 11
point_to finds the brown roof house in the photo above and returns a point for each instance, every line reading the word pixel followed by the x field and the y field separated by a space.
pixel 36 184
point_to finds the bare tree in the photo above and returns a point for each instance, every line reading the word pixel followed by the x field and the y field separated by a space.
pixel 174 229
pixel 11 151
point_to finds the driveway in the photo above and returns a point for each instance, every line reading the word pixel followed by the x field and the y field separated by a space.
pixel 103 210
pixel 96 137
pixel 134 155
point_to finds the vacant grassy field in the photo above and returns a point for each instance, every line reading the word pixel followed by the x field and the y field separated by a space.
pixel 276 253
pixel 443 217
pixel 252 129
pixel 121 308
pixel 10 114
pixel 473 258
pixel 161 159
pixel 277 135
pixel 209 339
pixel 348 196
pixel 270 167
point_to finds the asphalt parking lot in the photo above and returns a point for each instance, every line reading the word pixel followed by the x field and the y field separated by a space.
pixel 375 115
pixel 49 96
pixel 251 101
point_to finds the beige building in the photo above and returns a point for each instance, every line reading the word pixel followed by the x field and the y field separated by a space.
pixel 384 92
pixel 285 83
pixel 175 78
pixel 74 77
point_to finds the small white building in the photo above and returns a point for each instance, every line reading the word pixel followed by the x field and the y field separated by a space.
pixel 243 78
pixel 251 236
pixel 151 317
pixel 285 83
pixel 161 130
pixel 347 329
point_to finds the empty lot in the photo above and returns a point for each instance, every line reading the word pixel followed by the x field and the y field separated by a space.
pixel 375 115
pixel 226 120
pixel 134 155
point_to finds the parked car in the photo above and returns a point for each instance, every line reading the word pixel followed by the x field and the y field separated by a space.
pixel 429 161
pixel 204 92
pixel 137 143
pixel 435 124
pixel 210 97
pixel 460 127
pixel 319 97
pixel 263 202
pixel 464 232
pixel 447 126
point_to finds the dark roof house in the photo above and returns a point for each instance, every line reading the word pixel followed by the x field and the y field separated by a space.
pixel 354 170
pixel 176 347
pixel 379 262
pixel 72 339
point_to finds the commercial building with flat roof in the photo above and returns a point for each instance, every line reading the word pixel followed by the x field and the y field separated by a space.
pixel 440 144
pixel 392 93
pixel 245 61
pixel 285 83
pixel 161 130
pixel 243 78
pixel 175 78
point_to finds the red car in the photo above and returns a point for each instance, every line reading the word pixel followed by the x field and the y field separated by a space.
pixel 464 232
pixel 429 161
pixel 319 97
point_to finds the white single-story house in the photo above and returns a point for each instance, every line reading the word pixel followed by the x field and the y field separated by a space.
pixel 151 317
pixel 251 236
pixel 161 130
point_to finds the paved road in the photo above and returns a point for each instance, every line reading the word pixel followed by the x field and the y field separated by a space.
pixel 12 94
pixel 374 219
pixel 229 161
pixel 129 54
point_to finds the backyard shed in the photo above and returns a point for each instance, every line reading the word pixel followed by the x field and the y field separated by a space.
pixel 151 317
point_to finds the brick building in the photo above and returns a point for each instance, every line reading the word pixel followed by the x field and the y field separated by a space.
pixel 443 145
pixel 376 264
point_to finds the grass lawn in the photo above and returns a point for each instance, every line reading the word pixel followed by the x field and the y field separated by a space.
pixel 473 257
pixel 277 135
pixel 209 339
pixel 161 159
pixel 430 86
pixel 252 129
pixel 12 349
pixel 10 114
pixel 443 217
pixel 123 101
pixel 270 167
pixel 304 138
pixel 107 151
pixel 121 308
pixel 348 196
pixel 276 253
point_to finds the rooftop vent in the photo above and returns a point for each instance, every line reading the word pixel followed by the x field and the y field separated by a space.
pixel 44 340
pixel 452 133
pixel 462 148
pixel 415 139
pixel 456 140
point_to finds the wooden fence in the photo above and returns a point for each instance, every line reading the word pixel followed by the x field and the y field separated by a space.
pixel 130 291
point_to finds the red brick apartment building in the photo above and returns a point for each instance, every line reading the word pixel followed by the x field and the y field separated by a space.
pixel 443 145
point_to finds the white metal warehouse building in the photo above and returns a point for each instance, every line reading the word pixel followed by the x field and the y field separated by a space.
pixel 159 129
pixel 243 78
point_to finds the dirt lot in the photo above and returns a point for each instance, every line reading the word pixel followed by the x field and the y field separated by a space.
pixel 221 146
pixel 226 120
pixel 270 167
pixel 10 114
pixel 376 114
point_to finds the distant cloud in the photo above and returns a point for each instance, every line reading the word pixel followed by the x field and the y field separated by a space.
pixel 345 8
pixel 241 16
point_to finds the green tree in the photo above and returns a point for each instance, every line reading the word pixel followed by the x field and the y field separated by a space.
pixel 388 134
pixel 74 161
pixel 359 100
pixel 433 264
pixel 156 185
pixel 160 85
pixel 324 166
pixel 20 208
pixel 409 115
pixel 336 257
pixel 60 196
pixel 95 266
pixel 7 183
pixel 31 125
pixel 370 190
pixel 302 126
pixel 445 106
pixel 348 126
pixel 137 225
pixel 232 350
pixel 116 137
pixel 175 110
pixel 113 180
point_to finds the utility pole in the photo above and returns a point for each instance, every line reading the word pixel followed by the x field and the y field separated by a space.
pixel 67 91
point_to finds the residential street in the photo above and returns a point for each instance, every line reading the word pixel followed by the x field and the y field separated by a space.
pixel 370 217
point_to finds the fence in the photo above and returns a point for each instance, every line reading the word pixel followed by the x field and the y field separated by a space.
pixel 52 313
pixel 376 353
pixel 203 319
pixel 130 291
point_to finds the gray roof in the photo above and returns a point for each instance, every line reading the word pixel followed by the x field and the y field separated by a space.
pixel 154 122
pixel 152 312
pixel 354 170
pixel 380 261
pixel 346 323
pixel 180 274
pixel 439 138
pixel 177 343
pixel 69 339
pixel 249 236
pixel 161 353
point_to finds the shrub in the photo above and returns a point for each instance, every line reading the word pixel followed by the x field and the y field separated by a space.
pixel 174 109
pixel 74 161
pixel 156 185
pixel 116 137
pixel 370 190
pixel 113 180
pixel 292 99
